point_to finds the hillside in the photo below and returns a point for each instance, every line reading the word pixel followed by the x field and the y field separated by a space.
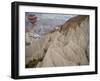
pixel 67 45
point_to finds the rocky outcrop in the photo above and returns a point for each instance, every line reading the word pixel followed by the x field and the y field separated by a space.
pixel 67 45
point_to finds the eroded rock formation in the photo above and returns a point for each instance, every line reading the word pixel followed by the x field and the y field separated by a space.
pixel 67 45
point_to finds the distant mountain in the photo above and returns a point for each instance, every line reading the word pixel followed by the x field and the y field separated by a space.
pixel 46 21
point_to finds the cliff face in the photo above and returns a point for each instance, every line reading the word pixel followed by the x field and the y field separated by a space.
pixel 65 46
